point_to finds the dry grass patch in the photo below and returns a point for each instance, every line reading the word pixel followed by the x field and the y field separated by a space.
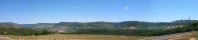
pixel 77 37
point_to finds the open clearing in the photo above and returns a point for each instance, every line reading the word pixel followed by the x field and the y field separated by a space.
pixel 76 37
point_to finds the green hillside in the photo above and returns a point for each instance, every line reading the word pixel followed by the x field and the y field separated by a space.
pixel 188 28
pixel 20 31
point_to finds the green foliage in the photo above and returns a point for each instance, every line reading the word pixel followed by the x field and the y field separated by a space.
pixel 15 31
pixel 115 25
pixel 43 32
pixel 192 27
pixel 21 31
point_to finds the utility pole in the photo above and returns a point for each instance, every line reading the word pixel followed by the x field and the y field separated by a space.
pixel 17 36
pixel 5 33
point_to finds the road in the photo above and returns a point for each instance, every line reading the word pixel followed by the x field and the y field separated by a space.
pixel 165 37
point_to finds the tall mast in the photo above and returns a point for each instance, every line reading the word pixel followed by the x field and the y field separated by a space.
pixel 189 17
pixel 182 20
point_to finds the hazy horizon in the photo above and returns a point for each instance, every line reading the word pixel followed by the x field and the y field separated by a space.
pixel 54 11
pixel 89 21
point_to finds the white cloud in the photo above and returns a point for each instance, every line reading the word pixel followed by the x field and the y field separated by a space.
pixel 126 8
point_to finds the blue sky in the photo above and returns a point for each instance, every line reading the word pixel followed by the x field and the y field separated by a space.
pixel 54 11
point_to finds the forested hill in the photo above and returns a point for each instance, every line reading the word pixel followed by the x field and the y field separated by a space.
pixel 112 28
pixel 10 28
pixel 187 28
pixel 72 26
pixel 140 25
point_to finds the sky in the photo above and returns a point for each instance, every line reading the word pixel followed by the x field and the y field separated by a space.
pixel 54 11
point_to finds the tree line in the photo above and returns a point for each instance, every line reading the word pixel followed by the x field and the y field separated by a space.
pixel 191 27
pixel 5 30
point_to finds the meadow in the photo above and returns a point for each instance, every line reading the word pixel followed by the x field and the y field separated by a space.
pixel 76 37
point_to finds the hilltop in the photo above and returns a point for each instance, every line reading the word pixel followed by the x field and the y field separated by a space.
pixel 65 27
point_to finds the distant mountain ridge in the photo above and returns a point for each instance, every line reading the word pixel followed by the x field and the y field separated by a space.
pixel 72 26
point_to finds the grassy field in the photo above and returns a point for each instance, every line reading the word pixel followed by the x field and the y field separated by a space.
pixel 76 37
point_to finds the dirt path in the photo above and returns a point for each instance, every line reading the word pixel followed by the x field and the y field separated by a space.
pixel 165 37
pixel 3 38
